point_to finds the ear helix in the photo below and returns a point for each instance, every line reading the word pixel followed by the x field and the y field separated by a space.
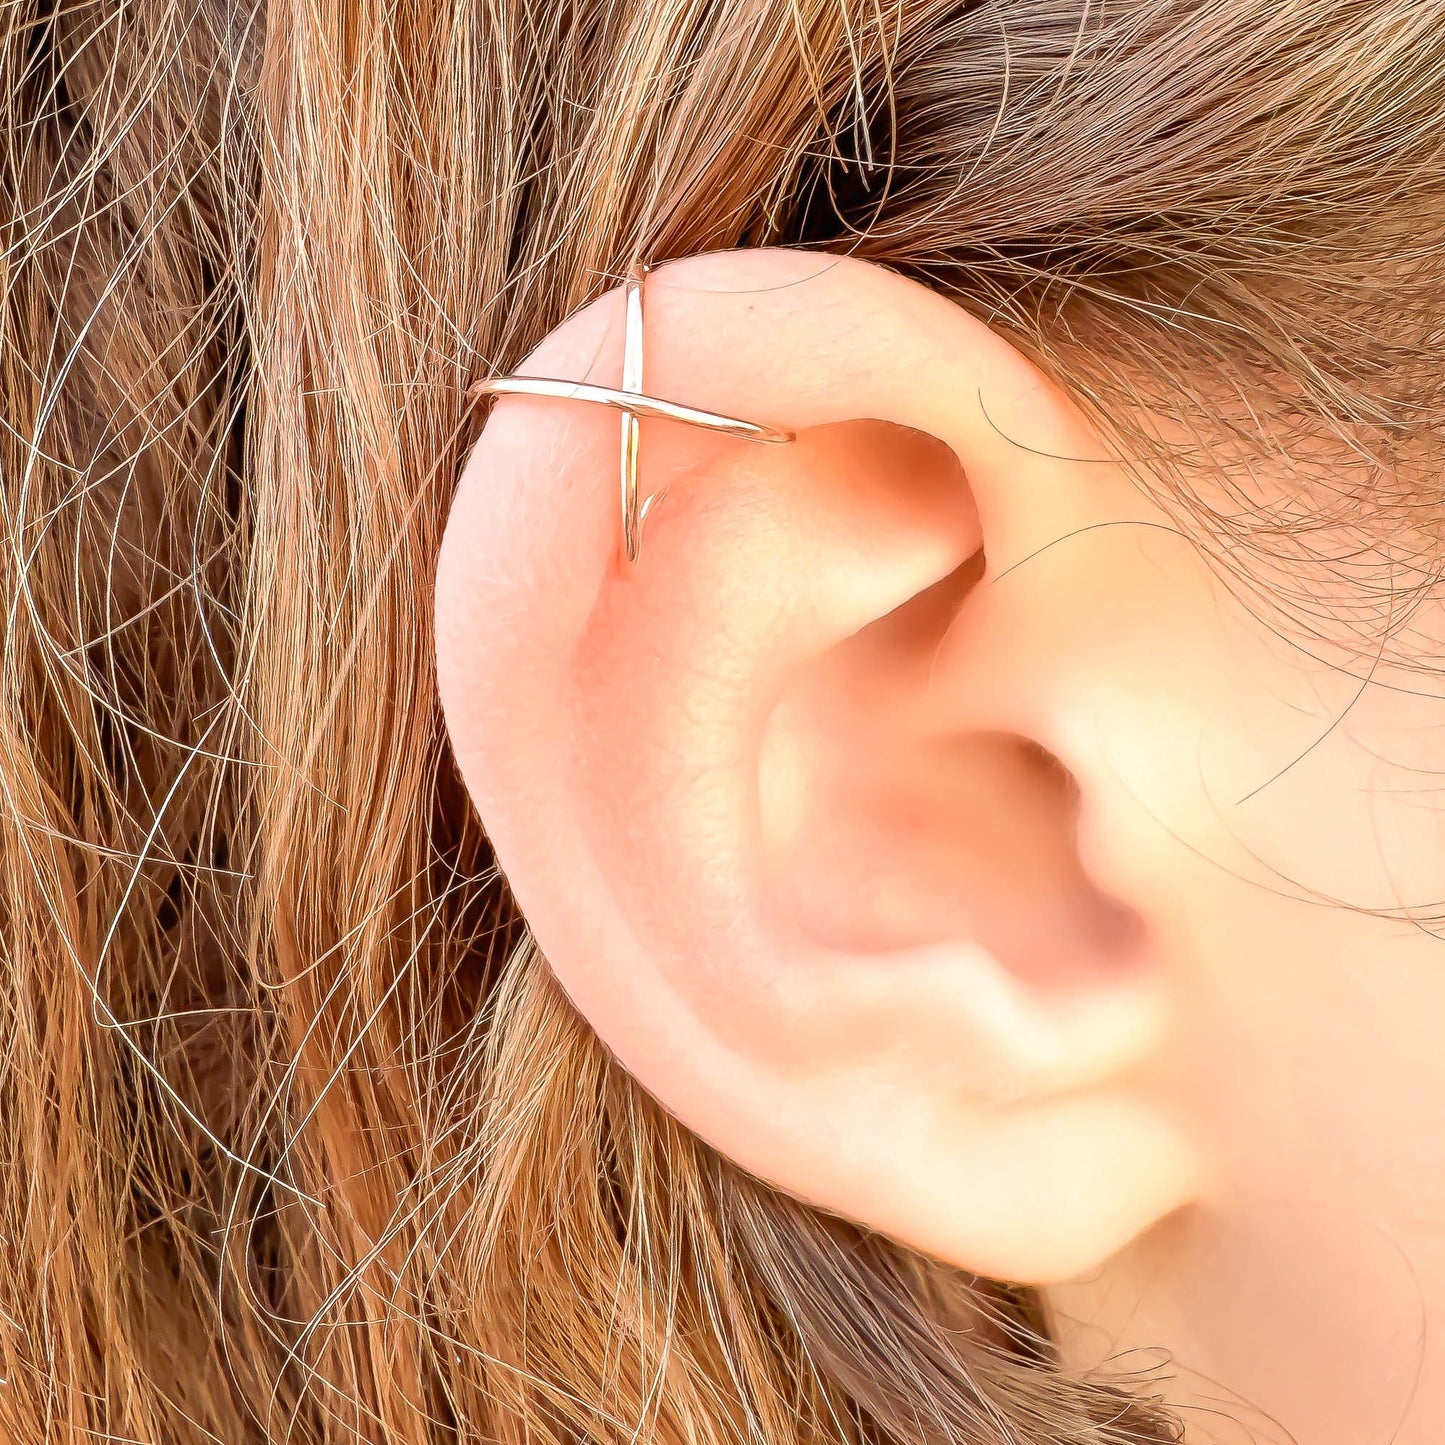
pixel 633 404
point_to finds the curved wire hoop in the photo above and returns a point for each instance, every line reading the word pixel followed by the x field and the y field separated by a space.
pixel 634 404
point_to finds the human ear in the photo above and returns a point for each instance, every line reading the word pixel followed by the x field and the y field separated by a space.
pixel 804 811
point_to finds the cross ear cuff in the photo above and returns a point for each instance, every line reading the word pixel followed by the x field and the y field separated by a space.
pixel 634 404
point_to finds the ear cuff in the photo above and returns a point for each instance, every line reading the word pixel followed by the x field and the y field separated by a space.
pixel 634 404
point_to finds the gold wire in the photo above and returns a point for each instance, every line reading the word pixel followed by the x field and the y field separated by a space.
pixel 631 428
pixel 634 404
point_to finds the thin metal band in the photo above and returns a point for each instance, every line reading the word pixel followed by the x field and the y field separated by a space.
pixel 631 401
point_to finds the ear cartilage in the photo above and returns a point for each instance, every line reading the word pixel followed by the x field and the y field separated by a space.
pixel 634 404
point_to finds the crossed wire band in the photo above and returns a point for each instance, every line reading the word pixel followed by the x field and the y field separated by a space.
pixel 634 404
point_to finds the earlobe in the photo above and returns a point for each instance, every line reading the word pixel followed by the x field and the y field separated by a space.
pixel 822 898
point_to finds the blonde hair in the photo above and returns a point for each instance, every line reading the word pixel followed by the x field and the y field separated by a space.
pixel 298 1139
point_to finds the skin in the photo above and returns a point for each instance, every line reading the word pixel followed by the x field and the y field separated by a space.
pixel 1296 873
pixel 931 828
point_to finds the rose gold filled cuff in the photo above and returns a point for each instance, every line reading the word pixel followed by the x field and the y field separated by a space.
pixel 631 401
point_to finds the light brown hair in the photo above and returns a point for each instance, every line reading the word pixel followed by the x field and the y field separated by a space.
pixel 298 1139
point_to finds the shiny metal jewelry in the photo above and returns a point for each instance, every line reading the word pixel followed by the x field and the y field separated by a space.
pixel 630 400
